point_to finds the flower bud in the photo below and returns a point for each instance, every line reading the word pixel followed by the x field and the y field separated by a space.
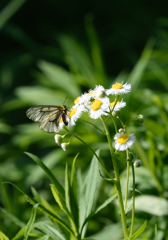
pixel 138 163
pixel 58 139
pixel 120 130
pixel 116 113
pixel 65 146
pixel 141 118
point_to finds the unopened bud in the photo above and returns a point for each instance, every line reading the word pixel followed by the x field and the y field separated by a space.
pixel 116 113
pixel 141 118
pixel 120 130
pixel 138 163
pixel 65 146
pixel 58 139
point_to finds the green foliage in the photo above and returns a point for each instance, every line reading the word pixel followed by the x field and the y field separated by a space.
pixel 67 71
pixel 78 212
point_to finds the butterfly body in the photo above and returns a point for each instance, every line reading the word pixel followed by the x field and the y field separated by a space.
pixel 48 117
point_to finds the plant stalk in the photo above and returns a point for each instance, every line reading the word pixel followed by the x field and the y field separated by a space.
pixel 117 177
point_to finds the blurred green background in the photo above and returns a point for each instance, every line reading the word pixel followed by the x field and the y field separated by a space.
pixel 51 50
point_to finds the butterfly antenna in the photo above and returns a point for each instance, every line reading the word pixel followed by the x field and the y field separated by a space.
pixel 65 100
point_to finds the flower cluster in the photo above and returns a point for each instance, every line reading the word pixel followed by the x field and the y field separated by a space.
pixel 97 103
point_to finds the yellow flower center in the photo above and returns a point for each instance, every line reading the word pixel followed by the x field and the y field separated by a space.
pixel 76 100
pixel 117 86
pixel 112 104
pixel 96 104
pixel 122 138
pixel 90 93
pixel 72 112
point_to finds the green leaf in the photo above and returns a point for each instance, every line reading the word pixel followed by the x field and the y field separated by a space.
pixel 43 238
pixel 96 52
pixel 13 218
pixel 50 175
pixel 106 202
pixel 88 239
pixel 136 75
pixel 11 8
pixel 156 233
pixel 151 204
pixel 19 234
pixel 74 193
pixel 50 229
pixel 67 188
pixel 31 221
pixel 73 174
pixel 155 128
pixel 3 236
pixel 42 201
pixel 79 60
pixel 50 160
pixel 138 232
pixel 60 77
pixel 88 192
pixel 58 199
pixel 62 205
pixel 44 210
pixel 109 232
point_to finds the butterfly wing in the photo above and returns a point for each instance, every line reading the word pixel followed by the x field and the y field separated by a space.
pixel 47 116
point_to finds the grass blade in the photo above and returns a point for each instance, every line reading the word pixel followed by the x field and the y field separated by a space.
pixel 50 175
pixel 31 221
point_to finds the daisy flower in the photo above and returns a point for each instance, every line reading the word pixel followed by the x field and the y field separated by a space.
pixel 123 141
pixel 77 101
pixel 119 88
pixel 118 105
pixel 98 107
pixel 86 97
pixel 98 91
pixel 75 113
pixel 80 100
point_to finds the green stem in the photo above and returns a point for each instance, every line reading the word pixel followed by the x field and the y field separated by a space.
pixel 118 185
pixel 114 123
pixel 118 96
pixel 127 181
pixel 133 198
pixel 121 123
pixel 92 125
pixel 105 170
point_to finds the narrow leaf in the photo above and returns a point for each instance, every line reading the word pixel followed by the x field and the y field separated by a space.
pixel 58 199
pixel 42 201
pixel 74 193
pixel 31 221
pixel 3 236
pixel 50 229
pixel 43 238
pixel 11 8
pixel 44 210
pixel 49 173
pixel 87 195
pixel 73 171
pixel 138 232
pixel 13 218
pixel 60 77
pixel 156 232
pixel 67 188
pixel 106 202
pixel 19 234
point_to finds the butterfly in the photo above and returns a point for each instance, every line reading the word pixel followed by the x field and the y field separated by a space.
pixel 48 117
